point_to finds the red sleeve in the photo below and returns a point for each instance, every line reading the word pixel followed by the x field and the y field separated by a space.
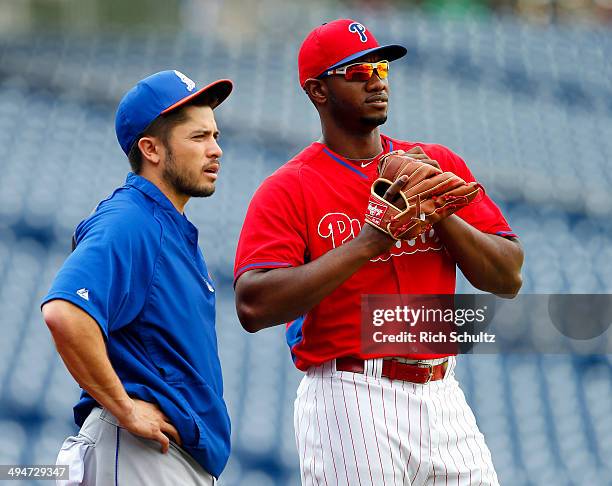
pixel 274 231
pixel 482 213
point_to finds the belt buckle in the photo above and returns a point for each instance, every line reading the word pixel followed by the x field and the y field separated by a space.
pixel 431 372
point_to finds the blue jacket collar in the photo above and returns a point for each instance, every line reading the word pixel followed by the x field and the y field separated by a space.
pixel 147 187
pixel 151 190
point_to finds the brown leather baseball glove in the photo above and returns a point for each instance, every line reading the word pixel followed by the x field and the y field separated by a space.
pixel 428 196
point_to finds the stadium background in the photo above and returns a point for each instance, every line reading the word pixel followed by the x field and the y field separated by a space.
pixel 521 89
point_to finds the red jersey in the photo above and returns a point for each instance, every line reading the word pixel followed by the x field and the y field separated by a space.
pixel 315 203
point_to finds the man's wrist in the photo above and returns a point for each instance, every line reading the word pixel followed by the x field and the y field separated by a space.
pixel 373 241
pixel 122 409
pixel 447 224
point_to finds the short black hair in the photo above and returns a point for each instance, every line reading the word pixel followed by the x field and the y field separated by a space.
pixel 162 126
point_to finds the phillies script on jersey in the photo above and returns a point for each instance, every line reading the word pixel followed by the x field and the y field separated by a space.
pixel 340 228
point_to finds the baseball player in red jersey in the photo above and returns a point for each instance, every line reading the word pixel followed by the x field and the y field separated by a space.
pixel 305 258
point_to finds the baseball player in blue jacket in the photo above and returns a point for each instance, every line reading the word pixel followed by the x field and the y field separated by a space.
pixel 132 310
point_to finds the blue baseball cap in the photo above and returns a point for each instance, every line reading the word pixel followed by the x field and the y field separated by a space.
pixel 157 95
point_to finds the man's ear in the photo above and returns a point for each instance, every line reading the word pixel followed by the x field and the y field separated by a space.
pixel 317 90
pixel 151 148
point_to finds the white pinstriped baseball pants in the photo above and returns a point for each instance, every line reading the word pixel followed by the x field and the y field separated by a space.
pixel 363 429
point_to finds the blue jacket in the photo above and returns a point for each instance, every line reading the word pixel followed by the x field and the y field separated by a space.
pixel 138 271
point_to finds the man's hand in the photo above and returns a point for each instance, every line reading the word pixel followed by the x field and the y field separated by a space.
pixel 147 420
pixel 81 345
pixel 419 154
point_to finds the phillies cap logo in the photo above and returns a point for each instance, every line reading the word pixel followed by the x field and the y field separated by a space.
pixel 359 29
pixel 188 82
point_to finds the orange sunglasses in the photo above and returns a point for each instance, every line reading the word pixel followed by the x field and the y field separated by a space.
pixel 362 71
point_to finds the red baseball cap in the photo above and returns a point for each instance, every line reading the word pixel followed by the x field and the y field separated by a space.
pixel 339 42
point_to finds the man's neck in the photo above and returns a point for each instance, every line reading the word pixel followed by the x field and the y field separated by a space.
pixel 353 145
pixel 178 200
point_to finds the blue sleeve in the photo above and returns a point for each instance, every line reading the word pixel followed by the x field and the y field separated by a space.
pixel 109 273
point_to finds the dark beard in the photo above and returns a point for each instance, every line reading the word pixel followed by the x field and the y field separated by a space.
pixel 181 182
pixel 374 121
pixel 340 112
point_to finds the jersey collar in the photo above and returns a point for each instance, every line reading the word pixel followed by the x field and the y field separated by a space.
pixel 147 187
pixel 353 166
pixel 152 191
pixel 344 162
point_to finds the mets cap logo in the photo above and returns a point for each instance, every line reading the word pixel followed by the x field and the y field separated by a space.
pixel 188 82
pixel 359 29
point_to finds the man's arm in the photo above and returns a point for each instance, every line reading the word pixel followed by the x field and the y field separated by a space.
pixel 266 298
pixel 81 345
pixel 490 262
